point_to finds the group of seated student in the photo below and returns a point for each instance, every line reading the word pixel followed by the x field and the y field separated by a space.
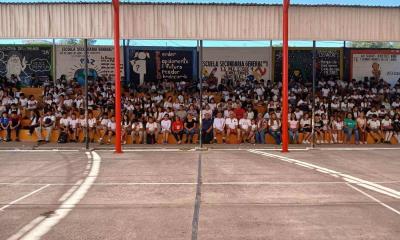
pixel 244 110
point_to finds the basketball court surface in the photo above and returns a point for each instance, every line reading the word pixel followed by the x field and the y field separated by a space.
pixel 170 193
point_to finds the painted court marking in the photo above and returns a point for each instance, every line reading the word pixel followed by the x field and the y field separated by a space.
pixel 23 197
pixel 348 178
pixel 373 198
pixel 40 226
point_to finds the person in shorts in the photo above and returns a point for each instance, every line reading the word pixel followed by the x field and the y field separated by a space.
pixel 165 128
pixel 231 124
pixel 387 129
pixel 305 128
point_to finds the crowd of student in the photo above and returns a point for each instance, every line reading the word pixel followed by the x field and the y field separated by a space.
pixel 247 109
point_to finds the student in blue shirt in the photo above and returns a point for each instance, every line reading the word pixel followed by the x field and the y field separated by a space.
pixel 5 124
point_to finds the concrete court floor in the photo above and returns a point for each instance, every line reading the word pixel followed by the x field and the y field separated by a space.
pixel 215 194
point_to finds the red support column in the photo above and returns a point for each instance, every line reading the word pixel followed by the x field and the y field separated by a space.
pixel 117 60
pixel 285 76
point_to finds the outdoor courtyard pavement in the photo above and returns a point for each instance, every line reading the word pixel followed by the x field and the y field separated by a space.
pixel 226 193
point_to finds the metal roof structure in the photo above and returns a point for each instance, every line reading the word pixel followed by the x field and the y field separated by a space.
pixel 365 3
pixel 208 21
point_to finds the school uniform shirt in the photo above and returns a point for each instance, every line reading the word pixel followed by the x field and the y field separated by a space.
pixel 274 125
pixel 370 113
pixel 232 123
pixel 299 114
pixel 245 123
pixel 219 123
pixel 82 122
pixel 338 125
pixel 136 126
pixel 104 122
pixel 32 104
pixel 92 122
pixel 374 124
pixel 73 123
pixel 166 124
pixel 111 125
pixel 151 126
pixel 386 123
pixel 23 102
pixel 64 122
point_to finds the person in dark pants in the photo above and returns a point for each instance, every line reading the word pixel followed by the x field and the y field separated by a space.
pixel 5 124
pixel 190 128
pixel 207 129
pixel 177 129
pixel 15 124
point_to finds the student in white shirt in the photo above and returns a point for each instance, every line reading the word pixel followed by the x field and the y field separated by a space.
pixel 165 128
pixel 374 127
pixel 244 128
pixel 387 128
pixel 137 130
pixel 64 122
pixel 231 125
pixel 111 127
pixel 73 128
pixel 103 127
pixel 47 123
pixel 151 131
pixel 219 127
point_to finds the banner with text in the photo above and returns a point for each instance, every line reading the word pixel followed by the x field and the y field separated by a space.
pixel 235 64
pixel 328 64
pixel 380 64
pixel 71 62
pixel 24 62
pixel 148 64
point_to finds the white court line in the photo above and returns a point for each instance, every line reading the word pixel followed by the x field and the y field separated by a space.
pixel 355 148
pixel 375 199
pixel 70 191
pixel 348 178
pixel 23 197
pixel 190 183
pixel 46 224
pixel 39 150
pixel 27 228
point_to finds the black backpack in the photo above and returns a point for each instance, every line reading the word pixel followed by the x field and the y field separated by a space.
pixel 63 138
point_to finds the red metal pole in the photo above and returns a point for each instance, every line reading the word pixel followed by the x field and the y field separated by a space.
pixel 117 60
pixel 285 64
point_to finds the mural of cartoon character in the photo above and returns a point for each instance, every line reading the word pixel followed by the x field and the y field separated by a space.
pixel 139 64
pixel 15 66
pixel 376 71
pixel 259 72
